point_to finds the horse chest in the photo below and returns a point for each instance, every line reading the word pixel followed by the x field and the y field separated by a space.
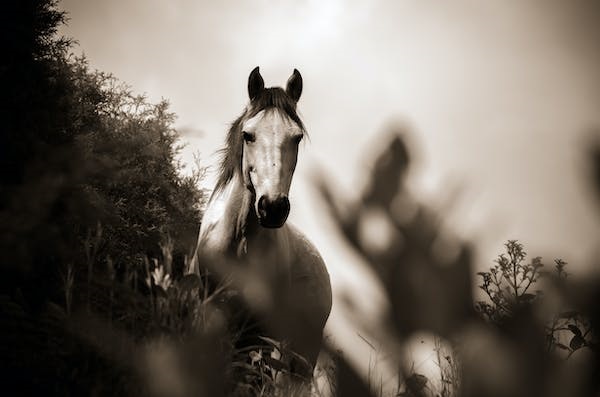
pixel 268 252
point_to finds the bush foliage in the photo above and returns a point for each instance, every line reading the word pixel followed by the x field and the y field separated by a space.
pixel 82 154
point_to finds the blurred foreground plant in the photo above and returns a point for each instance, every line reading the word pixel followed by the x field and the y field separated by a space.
pixel 507 350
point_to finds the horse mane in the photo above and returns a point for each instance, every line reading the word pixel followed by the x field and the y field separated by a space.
pixel 231 154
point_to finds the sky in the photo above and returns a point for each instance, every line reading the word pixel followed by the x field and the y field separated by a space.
pixel 501 100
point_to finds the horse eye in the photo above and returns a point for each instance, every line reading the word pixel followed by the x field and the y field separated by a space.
pixel 248 137
pixel 298 138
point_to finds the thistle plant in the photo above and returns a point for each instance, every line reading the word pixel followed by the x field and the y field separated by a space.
pixel 509 282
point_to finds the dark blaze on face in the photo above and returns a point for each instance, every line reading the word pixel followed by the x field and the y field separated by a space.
pixel 270 152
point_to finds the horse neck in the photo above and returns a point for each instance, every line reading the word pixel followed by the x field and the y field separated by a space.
pixel 230 228
pixel 227 219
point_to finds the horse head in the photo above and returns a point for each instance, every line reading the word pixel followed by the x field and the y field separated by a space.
pixel 271 133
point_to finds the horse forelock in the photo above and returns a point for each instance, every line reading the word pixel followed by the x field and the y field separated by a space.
pixel 231 154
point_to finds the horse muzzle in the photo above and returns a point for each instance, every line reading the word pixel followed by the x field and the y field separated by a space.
pixel 273 213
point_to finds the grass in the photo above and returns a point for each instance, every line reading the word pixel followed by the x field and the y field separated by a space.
pixel 161 318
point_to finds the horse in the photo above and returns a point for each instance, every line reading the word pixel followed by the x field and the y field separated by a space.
pixel 245 218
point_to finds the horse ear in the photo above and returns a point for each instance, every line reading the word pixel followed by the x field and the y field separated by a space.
pixel 255 83
pixel 294 86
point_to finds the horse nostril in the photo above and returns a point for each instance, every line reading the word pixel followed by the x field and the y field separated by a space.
pixel 262 207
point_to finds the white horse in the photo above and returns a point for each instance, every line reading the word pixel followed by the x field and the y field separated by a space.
pixel 245 220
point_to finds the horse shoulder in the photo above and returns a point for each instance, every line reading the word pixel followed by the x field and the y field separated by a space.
pixel 309 273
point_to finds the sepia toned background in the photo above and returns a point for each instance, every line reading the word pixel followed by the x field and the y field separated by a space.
pixel 498 101
pixel 499 98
